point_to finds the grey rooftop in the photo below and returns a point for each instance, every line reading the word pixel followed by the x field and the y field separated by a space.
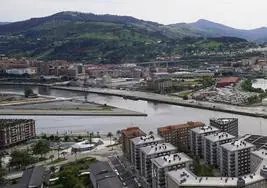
pixel 172 159
pixel 158 148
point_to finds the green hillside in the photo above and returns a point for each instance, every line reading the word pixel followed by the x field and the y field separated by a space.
pixel 97 39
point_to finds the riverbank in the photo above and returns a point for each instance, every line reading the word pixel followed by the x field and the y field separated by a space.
pixel 136 95
pixel 58 106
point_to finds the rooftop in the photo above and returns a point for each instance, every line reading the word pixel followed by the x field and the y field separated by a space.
pixel 12 122
pixel 223 121
pixel 104 175
pixel 172 159
pixel 132 131
pixel 205 129
pixel 237 145
pixel 158 148
pixel 189 124
pixel 219 136
pixel 146 139
pixel 186 178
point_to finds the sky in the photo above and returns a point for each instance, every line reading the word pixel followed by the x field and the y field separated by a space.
pixel 243 14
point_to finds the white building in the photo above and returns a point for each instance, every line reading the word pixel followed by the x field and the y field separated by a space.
pixel 139 142
pixel 197 138
pixel 149 152
pixel 235 158
pixel 21 71
pixel 212 145
pixel 164 164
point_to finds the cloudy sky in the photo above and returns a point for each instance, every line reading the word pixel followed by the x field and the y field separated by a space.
pixel 236 13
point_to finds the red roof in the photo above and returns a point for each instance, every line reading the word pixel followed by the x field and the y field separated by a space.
pixel 229 80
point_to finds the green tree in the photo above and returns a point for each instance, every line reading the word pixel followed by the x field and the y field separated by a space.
pixel 41 148
pixel 110 135
pixel 66 138
pixel 68 177
pixel 20 159
pixel 28 92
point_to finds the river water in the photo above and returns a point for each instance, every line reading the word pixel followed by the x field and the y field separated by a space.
pixel 158 115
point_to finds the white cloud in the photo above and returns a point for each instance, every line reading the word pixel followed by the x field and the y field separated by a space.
pixel 236 13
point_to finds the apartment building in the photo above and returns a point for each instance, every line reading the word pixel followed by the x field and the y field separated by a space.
pixel 164 164
pixel 153 151
pixel 15 131
pixel 229 125
pixel 178 135
pixel 139 142
pixel 197 138
pixel 126 136
pixel 212 145
pixel 235 158
pixel 184 178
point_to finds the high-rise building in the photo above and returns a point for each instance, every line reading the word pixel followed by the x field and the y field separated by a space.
pixel 153 151
pixel 15 131
pixel 139 142
pixel 229 125
pixel 197 138
pixel 212 146
pixel 178 135
pixel 235 158
pixel 164 164
pixel 126 136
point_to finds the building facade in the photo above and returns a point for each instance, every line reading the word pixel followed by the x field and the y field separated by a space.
pixel 126 136
pixel 229 125
pixel 212 145
pixel 178 135
pixel 15 131
pixel 235 158
pixel 197 139
pixel 153 151
pixel 139 142
pixel 164 164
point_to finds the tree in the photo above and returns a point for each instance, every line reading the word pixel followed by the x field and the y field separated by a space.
pixel 28 92
pixel 41 148
pixel 68 177
pixel 66 138
pixel 110 135
pixel 51 157
pixel 20 159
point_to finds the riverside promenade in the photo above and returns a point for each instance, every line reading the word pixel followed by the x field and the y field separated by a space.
pixel 137 95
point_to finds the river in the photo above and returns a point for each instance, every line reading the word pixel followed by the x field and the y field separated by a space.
pixel 158 115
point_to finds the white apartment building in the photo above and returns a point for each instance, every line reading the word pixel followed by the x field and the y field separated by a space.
pixel 197 138
pixel 212 145
pixel 164 164
pixel 139 142
pixel 149 152
pixel 235 158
